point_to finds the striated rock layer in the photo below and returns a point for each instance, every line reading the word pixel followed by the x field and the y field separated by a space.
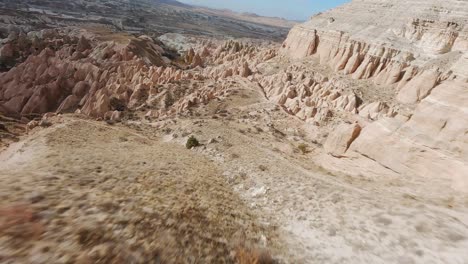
pixel 418 50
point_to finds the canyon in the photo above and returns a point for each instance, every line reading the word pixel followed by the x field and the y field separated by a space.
pixel 342 141
pixel 422 58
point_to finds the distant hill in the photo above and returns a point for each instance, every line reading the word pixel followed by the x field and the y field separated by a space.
pixel 171 2
pixel 145 16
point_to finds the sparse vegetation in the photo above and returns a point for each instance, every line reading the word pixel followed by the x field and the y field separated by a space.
pixel 18 221
pixel 252 256
pixel 192 142
pixel 168 100
pixel 243 175
pixel 303 148
pixel 117 104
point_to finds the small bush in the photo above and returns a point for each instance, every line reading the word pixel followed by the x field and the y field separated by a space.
pixel 117 104
pixel 303 148
pixel 262 167
pixel 192 142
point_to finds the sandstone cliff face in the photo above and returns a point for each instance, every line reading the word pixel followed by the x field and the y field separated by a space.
pixel 434 142
pixel 417 49
pixel 392 41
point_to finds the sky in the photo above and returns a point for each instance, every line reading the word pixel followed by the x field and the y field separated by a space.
pixel 290 9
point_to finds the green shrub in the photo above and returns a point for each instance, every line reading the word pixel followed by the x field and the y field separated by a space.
pixel 192 142
pixel 303 148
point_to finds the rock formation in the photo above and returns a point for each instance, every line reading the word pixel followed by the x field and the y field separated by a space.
pixel 96 78
pixel 417 50
pixel 309 95
pixel 74 74
pixel 340 140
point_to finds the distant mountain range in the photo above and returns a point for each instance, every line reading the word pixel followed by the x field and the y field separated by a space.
pixel 145 16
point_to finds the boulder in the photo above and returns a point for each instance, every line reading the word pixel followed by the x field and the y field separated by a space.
pixel 83 44
pixel 69 105
pixel 197 61
pixel 139 95
pixel 418 88
pixel 341 138
pixel 246 71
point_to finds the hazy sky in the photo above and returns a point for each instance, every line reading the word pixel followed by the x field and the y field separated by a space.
pixel 291 9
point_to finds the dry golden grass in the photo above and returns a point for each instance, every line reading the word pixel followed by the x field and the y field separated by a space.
pixel 19 221
pixel 253 256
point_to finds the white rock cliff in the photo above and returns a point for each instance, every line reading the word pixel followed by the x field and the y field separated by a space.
pixel 418 50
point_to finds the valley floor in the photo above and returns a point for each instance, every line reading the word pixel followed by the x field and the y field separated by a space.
pixel 86 191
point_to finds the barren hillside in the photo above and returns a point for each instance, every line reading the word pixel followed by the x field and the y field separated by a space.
pixel 140 16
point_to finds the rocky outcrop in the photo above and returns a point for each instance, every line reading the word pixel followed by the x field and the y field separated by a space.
pixel 419 87
pixel 374 111
pixel 433 143
pixel 395 49
pixel 101 78
pixel 246 71
pixel 197 61
pixel 339 141
pixel 309 95
pixel 73 73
